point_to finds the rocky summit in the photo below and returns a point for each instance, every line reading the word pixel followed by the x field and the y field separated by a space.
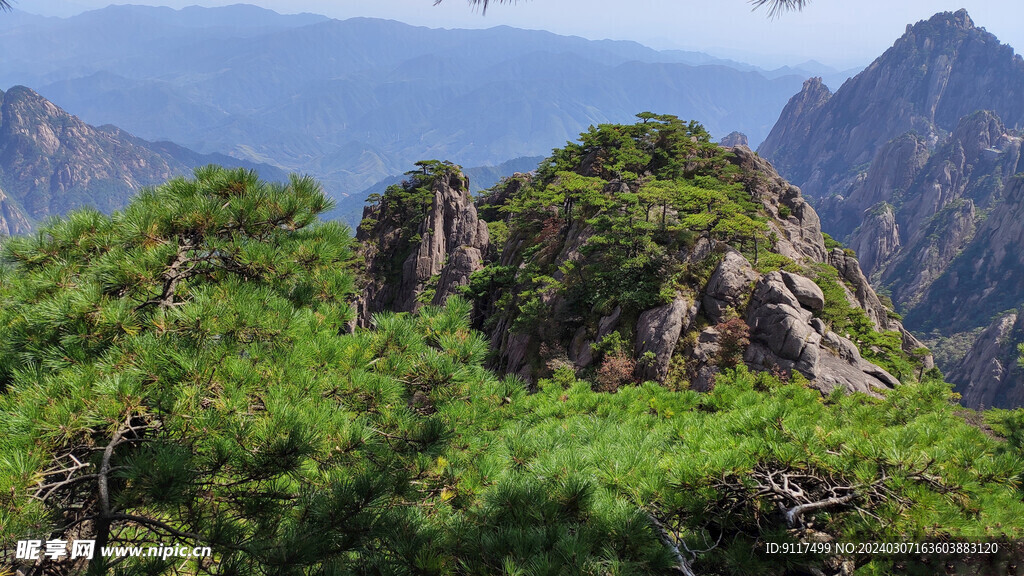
pixel 915 164
pixel 634 267
pixel 941 70
pixel 421 237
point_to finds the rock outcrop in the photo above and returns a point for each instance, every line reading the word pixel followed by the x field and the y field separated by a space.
pixel 452 244
pixel 657 333
pixel 734 139
pixel 406 260
pixel 990 376
pixel 729 287
pixel 796 226
pixel 786 336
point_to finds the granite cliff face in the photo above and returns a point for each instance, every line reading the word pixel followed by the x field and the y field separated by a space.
pixel 12 221
pixel 989 373
pixel 52 162
pixel 529 298
pixel 915 163
pixel 941 70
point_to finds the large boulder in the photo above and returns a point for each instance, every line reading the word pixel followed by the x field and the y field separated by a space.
pixel 728 287
pixel 658 331
pixel 807 293
pixel 785 335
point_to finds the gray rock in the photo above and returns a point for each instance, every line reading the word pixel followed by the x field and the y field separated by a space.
pixel 580 352
pixel 786 336
pixel 658 331
pixel 798 234
pixel 988 376
pixel 879 374
pixel 728 287
pixel 453 242
pixel 777 321
pixel 819 326
pixel 877 238
pixel 607 324
pixel 450 226
pixel 704 359
pixel 461 263
pixel 734 139
pixel 806 291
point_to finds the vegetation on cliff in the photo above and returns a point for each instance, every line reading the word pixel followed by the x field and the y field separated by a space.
pixel 633 217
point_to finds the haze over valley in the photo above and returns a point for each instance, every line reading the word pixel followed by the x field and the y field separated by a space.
pixel 353 102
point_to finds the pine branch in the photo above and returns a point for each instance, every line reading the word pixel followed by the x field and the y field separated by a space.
pixel 663 535
pixel 777 7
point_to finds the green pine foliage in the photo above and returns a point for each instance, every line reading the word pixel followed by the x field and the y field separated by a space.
pixel 182 372
pixel 628 198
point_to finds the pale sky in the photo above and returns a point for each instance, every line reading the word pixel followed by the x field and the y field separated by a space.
pixel 840 33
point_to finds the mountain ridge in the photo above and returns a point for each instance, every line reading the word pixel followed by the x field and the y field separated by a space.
pixel 51 162
pixel 916 163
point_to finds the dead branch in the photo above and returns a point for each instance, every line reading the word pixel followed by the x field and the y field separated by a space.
pixel 667 540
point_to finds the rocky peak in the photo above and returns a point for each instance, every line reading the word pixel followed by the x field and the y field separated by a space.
pixel 941 70
pixel 914 164
pixel 421 241
pixel 940 23
pixel 734 139
pixel 795 124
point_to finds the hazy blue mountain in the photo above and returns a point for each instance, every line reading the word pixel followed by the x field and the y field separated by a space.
pixel 355 101
pixel 52 162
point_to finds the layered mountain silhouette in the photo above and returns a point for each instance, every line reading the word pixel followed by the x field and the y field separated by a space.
pixel 52 162
pixel 916 164
pixel 353 102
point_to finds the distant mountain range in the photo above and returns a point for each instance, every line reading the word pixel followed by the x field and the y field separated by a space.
pixel 353 102
pixel 52 162
pixel 916 163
